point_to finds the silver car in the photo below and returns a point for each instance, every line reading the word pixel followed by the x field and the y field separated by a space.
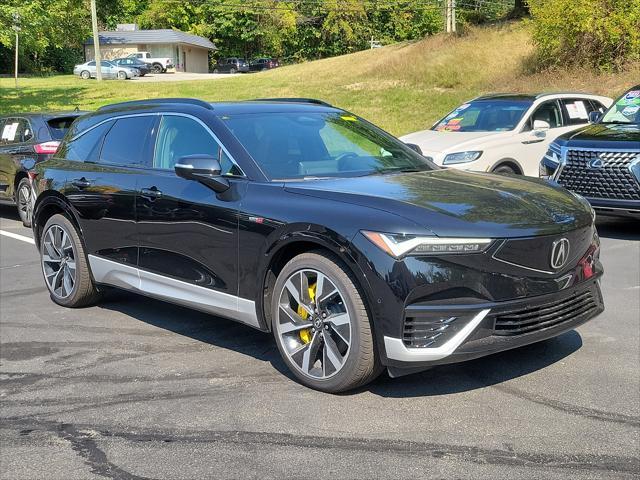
pixel 87 70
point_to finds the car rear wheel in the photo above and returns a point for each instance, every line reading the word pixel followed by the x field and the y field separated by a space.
pixel 64 264
pixel 157 68
pixel 232 71
pixel 24 201
pixel 215 70
pixel 85 75
pixel 321 325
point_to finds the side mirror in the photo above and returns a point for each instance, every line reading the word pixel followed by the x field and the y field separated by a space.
pixel 594 117
pixel 414 147
pixel 541 125
pixel 204 169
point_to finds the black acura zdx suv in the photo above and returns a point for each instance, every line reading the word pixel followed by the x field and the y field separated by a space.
pixel 302 219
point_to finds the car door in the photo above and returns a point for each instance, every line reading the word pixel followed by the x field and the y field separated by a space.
pixel 16 147
pixel 188 234
pixel 108 69
pixel 534 142
pixel 102 185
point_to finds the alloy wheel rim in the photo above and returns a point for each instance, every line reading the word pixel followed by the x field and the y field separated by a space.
pixel 313 324
pixel 24 202
pixel 58 261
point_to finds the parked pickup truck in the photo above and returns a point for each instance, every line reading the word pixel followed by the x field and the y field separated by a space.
pixel 158 65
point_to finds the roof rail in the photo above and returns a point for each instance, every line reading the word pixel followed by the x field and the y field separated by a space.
pixel 313 101
pixel 156 101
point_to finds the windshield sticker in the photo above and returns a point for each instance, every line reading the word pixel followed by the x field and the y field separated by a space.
pixel 450 125
pixel 349 118
pixel 631 110
pixel 463 107
pixel 631 98
pixel 577 110
pixel 9 132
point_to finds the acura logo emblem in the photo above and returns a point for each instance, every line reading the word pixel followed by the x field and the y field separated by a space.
pixel 559 253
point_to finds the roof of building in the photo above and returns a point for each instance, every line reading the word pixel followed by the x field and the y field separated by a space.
pixel 151 37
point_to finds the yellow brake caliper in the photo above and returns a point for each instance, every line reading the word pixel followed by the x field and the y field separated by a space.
pixel 305 335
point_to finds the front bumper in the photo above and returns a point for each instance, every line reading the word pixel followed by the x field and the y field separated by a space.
pixel 496 326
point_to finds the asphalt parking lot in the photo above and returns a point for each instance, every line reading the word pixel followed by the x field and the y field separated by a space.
pixel 136 388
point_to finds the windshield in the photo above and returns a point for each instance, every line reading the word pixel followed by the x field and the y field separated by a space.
pixel 626 109
pixel 484 116
pixel 288 146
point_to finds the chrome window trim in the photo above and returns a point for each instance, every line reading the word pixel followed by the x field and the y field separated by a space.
pixel 160 114
pixel 397 350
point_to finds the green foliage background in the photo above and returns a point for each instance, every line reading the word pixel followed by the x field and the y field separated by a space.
pixel 604 34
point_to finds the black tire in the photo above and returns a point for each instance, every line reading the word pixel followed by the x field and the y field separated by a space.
pixel 233 71
pixel 24 201
pixel 84 292
pixel 362 364
pixel 122 75
pixel 157 68
pixel 85 75
pixel 504 170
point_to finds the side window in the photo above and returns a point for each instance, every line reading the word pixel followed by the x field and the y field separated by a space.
pixel 576 110
pixel 91 64
pixel 547 112
pixel 127 143
pixel 86 147
pixel 182 136
pixel 597 106
pixel 15 130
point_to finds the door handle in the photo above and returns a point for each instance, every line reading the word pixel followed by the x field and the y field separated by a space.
pixel 151 193
pixel 81 183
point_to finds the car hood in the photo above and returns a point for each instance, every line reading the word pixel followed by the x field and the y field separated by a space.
pixel 601 135
pixel 452 203
pixel 432 141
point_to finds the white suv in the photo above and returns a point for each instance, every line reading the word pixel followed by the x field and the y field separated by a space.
pixel 505 133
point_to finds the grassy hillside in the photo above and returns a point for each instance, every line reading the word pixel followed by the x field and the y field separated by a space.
pixel 403 87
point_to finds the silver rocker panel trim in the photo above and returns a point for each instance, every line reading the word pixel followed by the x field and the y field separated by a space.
pixel 174 291
pixel 396 349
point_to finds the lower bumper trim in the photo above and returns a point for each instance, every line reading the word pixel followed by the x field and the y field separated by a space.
pixel 396 349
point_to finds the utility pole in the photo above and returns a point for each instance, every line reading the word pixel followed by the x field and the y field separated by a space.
pixel 96 41
pixel 16 28
pixel 450 16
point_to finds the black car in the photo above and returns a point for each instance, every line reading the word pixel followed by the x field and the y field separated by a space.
pixel 132 62
pixel 231 65
pixel 26 139
pixel 261 64
pixel 302 219
pixel 602 161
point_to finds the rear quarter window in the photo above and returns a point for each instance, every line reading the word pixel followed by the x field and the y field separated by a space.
pixel 59 126
pixel 86 146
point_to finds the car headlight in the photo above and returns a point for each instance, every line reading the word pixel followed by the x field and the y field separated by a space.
pixel 461 157
pixel 398 245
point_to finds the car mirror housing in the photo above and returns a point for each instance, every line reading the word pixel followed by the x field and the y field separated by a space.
pixel 541 125
pixel 204 169
pixel 594 117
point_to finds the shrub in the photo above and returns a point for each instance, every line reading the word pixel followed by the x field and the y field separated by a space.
pixel 604 34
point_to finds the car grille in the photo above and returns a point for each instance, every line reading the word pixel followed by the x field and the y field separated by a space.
pixel 545 315
pixel 613 180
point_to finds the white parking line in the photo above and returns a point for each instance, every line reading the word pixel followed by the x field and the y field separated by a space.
pixel 15 236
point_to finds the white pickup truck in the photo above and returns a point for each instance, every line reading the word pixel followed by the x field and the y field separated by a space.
pixel 158 65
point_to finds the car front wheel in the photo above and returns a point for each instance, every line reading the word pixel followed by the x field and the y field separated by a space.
pixel 85 75
pixel 122 75
pixel 321 324
pixel 64 264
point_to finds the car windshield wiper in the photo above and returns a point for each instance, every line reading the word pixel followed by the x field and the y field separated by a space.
pixel 383 171
pixel 618 122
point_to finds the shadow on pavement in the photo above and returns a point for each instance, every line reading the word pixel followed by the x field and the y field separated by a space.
pixel 441 380
pixel 10 212
pixel 618 228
